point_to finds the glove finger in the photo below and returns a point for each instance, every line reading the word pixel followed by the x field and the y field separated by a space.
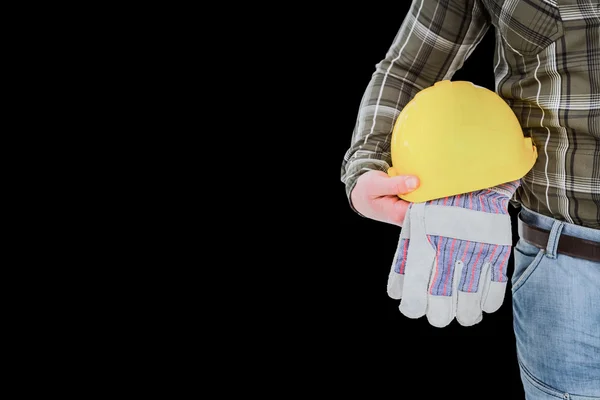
pixel 396 277
pixel 441 307
pixel 493 296
pixel 483 283
pixel 442 287
pixel 476 258
pixel 395 285
pixel 499 264
pixel 419 264
pixel 468 310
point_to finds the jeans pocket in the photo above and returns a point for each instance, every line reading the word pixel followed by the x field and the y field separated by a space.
pixel 527 258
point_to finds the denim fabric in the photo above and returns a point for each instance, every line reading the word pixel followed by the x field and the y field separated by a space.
pixel 556 307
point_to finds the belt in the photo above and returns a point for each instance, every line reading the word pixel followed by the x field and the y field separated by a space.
pixel 567 245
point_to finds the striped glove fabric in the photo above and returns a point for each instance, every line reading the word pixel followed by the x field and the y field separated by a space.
pixel 452 256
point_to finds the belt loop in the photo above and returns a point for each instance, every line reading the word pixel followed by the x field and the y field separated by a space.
pixel 552 245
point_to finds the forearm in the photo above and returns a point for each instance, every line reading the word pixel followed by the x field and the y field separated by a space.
pixel 431 45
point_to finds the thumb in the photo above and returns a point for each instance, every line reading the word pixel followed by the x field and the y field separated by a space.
pixel 384 185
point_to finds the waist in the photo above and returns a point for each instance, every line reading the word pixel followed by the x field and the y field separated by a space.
pixel 574 240
pixel 564 186
pixel 571 209
pixel 545 222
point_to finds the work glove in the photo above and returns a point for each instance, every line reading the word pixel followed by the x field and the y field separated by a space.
pixel 452 256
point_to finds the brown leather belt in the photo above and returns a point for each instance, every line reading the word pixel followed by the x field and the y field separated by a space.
pixel 567 245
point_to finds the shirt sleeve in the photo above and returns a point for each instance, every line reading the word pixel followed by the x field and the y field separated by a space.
pixel 433 41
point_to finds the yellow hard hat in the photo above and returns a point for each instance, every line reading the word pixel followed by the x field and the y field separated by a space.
pixel 457 137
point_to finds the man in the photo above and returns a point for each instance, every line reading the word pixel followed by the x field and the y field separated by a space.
pixel 547 68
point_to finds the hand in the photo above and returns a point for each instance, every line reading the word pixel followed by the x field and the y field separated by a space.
pixel 375 196
pixel 452 255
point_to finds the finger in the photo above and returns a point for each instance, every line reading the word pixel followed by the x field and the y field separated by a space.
pixel 419 264
pixel 395 285
pixel 476 258
pixel 396 276
pixel 493 296
pixel 383 184
pixel 443 286
pixel 391 209
pixel 499 263
pixel 468 311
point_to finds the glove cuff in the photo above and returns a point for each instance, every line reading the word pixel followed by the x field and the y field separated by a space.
pixel 464 224
pixel 507 189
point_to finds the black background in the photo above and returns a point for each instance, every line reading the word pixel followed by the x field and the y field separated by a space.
pixel 407 355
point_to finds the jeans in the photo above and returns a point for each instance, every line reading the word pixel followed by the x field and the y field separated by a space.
pixel 556 315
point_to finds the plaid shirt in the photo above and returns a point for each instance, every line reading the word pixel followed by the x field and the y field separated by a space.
pixel 547 68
